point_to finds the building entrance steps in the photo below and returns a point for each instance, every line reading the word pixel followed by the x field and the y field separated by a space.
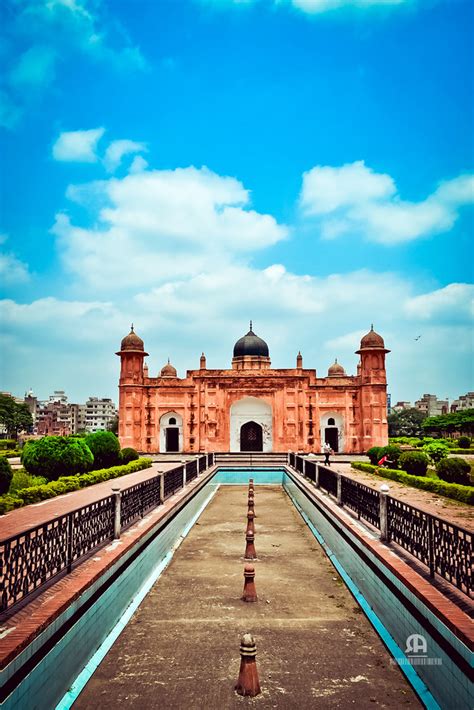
pixel 315 646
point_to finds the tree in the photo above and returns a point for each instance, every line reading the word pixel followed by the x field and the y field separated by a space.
pixel 54 456
pixel 405 423
pixel 14 417
pixel 105 447
pixel 462 421
pixel 113 425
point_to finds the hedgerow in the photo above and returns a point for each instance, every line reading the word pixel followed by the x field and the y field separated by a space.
pixel 66 484
pixel 465 494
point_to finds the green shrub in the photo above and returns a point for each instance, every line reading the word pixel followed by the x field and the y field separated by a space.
pixel 8 444
pixel 436 451
pixel 454 470
pixel 393 453
pixel 53 455
pixel 463 442
pixel 128 454
pixel 464 494
pixel 8 503
pixel 6 475
pixel 65 484
pixel 105 448
pixel 374 454
pixel 414 462
pixel 21 479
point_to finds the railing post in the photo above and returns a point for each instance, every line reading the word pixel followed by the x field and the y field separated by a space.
pixel 430 546
pixel 316 474
pixel 383 513
pixel 339 488
pixel 288 458
pixel 162 487
pixel 303 466
pixel 183 461
pixel 117 494
pixel 69 540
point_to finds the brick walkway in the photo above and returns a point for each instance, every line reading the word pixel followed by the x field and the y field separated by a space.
pixel 21 519
pixel 451 510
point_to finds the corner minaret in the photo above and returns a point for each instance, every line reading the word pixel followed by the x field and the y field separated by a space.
pixel 132 354
pixel 372 358
pixel 373 391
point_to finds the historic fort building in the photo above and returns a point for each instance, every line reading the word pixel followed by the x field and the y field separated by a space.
pixel 252 406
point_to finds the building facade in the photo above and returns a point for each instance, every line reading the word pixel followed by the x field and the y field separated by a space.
pixel 252 406
pixel 431 406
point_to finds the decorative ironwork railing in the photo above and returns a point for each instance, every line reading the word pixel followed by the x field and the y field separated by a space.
pixel 173 481
pixel 363 500
pixel 446 549
pixel 328 480
pixel 191 470
pixel 34 557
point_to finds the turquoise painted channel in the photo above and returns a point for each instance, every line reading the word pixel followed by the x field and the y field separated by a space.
pixel 444 685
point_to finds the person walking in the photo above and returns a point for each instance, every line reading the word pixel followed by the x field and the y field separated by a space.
pixel 327 451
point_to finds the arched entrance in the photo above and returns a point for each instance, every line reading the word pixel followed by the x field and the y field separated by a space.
pixel 332 431
pixel 255 411
pixel 171 433
pixel 251 437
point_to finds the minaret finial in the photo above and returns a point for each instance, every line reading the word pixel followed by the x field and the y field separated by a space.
pixel 168 361
pixel 372 327
pixel 251 327
pixel 131 327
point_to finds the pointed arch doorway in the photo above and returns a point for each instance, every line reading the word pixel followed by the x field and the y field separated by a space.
pixel 251 437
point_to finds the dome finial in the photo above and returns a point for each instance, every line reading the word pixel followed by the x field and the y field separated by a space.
pixel 371 326
pixel 131 328
pixel 251 327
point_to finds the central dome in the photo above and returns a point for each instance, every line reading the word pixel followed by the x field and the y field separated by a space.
pixel 251 344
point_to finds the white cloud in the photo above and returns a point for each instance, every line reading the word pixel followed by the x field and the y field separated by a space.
pixel 53 31
pixel 318 6
pixel 78 146
pixel 451 303
pixel 160 224
pixel 356 201
pixel 118 149
pixel 12 270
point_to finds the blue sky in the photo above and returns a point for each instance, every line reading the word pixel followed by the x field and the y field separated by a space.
pixel 189 165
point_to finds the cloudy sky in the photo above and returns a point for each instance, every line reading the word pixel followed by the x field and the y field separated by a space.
pixel 188 165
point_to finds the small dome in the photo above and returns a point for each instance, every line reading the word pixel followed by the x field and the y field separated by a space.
pixel 336 370
pixel 372 340
pixel 132 341
pixel 251 344
pixel 168 370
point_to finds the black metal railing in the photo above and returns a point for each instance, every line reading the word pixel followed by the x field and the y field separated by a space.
pixel 191 470
pixel 363 500
pixel 34 557
pixel 444 548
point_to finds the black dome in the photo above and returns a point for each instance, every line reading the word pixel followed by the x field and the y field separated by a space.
pixel 251 344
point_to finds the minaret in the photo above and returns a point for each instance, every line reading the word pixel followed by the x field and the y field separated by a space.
pixel 299 361
pixel 131 391
pixel 132 354
pixel 373 391
pixel 202 362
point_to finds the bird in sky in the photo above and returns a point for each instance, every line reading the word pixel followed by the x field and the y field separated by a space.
pixel 418 337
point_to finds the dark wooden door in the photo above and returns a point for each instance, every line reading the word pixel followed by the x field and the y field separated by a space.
pixel 331 436
pixel 251 437
pixel 172 438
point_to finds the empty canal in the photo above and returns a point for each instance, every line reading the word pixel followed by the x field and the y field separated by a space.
pixel 314 646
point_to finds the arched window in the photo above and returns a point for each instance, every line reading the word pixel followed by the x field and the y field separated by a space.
pixel 172 420
pixel 331 421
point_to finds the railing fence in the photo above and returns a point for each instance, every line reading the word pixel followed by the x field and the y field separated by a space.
pixel 34 557
pixel 445 548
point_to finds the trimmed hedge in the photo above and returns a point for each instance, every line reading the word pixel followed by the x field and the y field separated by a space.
pixel 464 442
pixel 105 448
pixel 66 484
pixel 454 470
pixel 8 443
pixel 465 494
pixel 414 463
pixel 128 454
pixel 53 455
pixel 462 451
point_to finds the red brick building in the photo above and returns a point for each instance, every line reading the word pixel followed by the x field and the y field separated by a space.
pixel 252 406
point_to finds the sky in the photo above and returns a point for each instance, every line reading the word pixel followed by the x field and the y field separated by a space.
pixel 189 165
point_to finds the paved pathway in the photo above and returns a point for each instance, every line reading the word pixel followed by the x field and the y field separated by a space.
pixel 314 646
pixel 21 519
pixel 451 510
